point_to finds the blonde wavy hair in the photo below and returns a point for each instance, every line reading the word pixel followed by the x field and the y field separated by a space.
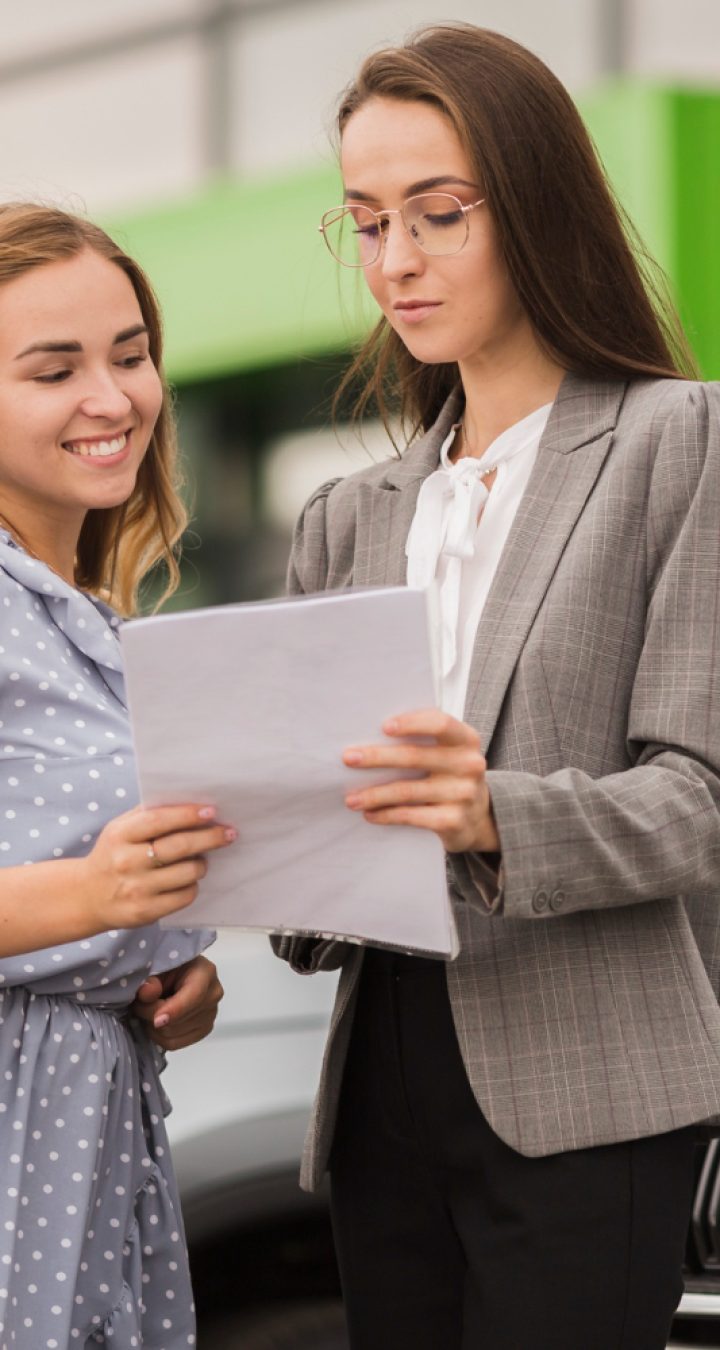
pixel 119 545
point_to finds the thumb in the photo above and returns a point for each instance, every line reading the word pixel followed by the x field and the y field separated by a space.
pixel 150 990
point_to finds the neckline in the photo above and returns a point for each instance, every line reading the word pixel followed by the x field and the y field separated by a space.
pixel 6 536
pixel 509 443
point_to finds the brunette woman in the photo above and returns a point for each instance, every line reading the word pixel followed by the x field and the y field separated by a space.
pixel 510 1136
pixel 91 1240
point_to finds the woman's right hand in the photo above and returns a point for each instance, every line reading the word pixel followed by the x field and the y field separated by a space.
pixel 148 862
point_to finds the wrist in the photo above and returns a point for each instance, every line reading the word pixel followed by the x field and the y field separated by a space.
pixel 84 918
pixel 488 838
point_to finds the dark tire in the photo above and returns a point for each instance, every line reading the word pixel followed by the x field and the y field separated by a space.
pixel 295 1326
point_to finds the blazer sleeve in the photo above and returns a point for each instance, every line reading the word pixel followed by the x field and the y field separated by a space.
pixel 308 566
pixel 651 832
pixel 307 573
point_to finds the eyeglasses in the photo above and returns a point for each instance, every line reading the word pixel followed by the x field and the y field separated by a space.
pixel 436 221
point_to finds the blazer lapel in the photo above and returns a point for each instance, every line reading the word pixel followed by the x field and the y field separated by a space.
pixel 385 510
pixel 572 451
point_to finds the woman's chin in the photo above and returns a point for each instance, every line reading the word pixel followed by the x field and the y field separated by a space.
pixel 110 495
pixel 431 353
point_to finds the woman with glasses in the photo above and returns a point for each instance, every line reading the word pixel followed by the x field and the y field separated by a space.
pixel 510 1136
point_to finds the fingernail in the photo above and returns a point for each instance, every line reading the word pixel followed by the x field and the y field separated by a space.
pixel 231 834
pixel 352 799
pixel 391 725
pixel 206 812
pixel 161 1020
pixel 353 756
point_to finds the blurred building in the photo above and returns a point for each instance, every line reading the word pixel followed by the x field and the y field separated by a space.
pixel 199 131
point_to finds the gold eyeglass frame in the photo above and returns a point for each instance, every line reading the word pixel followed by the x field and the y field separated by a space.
pixel 336 211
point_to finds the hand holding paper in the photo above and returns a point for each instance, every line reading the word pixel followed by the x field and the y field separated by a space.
pixel 448 793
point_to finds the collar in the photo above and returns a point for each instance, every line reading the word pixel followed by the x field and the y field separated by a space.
pixel 584 410
pixel 88 623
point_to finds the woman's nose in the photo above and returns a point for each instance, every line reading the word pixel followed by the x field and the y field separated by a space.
pixel 104 397
pixel 400 254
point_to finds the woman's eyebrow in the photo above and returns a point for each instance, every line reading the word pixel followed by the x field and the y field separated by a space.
pixel 423 185
pixel 64 345
pixel 69 345
pixel 127 333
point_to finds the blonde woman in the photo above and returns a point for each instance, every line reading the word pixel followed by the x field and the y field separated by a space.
pixel 91 990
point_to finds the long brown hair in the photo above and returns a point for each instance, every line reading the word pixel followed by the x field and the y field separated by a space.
pixel 597 302
pixel 119 545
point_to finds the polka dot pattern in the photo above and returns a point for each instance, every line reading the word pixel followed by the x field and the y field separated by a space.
pixel 92 1249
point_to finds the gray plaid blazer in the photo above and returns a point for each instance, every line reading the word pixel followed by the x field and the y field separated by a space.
pixel 585 995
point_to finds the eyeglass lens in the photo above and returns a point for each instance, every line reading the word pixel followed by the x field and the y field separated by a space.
pixel 435 221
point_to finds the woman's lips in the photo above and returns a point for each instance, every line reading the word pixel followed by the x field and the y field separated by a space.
pixel 414 311
pixel 101 451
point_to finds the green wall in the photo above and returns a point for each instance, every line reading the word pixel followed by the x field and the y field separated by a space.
pixel 242 274
pixel 245 280
pixel 661 149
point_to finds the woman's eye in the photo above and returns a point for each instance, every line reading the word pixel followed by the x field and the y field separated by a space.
pixel 55 377
pixel 129 362
pixel 369 231
pixel 446 218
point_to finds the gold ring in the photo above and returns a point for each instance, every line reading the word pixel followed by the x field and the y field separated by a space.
pixel 152 855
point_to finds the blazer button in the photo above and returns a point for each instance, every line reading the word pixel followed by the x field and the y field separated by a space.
pixel 540 901
pixel 557 900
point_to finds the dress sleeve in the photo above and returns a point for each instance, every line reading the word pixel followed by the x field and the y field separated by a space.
pixel 178 945
pixel 652 832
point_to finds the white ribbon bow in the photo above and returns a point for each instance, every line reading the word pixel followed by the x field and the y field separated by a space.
pixel 449 505
pixel 445 524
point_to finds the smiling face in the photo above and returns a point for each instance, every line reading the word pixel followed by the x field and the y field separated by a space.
pixel 79 395
pixel 458 308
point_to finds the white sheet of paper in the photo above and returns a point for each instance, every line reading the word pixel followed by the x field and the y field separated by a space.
pixel 249 707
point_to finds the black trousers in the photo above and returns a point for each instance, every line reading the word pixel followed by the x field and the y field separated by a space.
pixel 448 1239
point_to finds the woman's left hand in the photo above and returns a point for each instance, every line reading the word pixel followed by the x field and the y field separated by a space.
pixel 451 798
pixel 180 1005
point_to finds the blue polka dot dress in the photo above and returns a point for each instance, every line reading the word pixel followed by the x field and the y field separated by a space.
pixel 92 1250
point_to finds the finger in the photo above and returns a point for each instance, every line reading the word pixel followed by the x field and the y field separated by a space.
pixel 432 722
pixel 198 989
pixel 453 759
pixel 176 876
pixel 179 1017
pixel 145 824
pixel 150 990
pixel 167 902
pixel 442 819
pixel 175 1038
pixel 145 1012
pixel 174 847
pixel 414 791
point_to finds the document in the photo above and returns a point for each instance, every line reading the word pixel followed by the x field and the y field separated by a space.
pixel 248 708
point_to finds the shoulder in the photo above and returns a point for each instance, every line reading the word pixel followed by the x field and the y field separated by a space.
pixel 324 541
pixel 669 431
pixel 14 596
pixel 339 495
pixel 324 538
pixel 677 434
pixel 653 405
pixel 21 629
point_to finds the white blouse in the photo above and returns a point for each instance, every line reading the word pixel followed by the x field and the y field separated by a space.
pixel 457 536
